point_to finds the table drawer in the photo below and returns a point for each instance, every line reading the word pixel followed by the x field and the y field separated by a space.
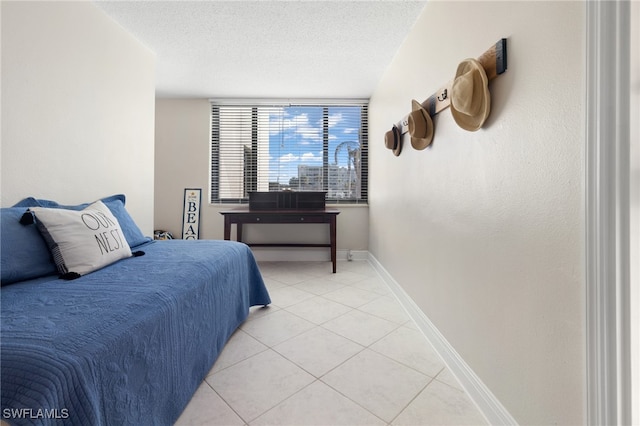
pixel 258 218
pixel 288 218
pixel 305 219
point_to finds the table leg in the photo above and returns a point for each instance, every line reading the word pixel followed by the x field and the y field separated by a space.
pixel 332 226
pixel 227 228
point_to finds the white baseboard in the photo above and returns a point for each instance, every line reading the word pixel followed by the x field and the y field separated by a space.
pixel 283 254
pixel 487 403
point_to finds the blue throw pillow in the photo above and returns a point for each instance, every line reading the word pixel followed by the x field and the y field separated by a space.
pixel 132 233
pixel 24 253
pixel 39 202
pixel 116 203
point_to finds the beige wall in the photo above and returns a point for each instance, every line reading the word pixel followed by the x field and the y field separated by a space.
pixel 484 230
pixel 77 107
pixel 182 159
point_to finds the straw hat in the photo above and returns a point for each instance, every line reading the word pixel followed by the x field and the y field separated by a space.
pixel 420 126
pixel 393 140
pixel 470 99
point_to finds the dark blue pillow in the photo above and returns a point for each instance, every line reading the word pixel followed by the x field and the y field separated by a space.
pixel 24 253
pixel 116 203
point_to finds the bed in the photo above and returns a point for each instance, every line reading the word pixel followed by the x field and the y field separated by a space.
pixel 128 343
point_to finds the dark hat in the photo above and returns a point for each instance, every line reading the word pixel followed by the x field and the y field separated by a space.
pixel 393 140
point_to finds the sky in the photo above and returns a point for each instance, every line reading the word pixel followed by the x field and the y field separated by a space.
pixel 295 137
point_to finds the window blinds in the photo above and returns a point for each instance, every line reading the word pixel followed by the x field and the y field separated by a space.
pixel 275 147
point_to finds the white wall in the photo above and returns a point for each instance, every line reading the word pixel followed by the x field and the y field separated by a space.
pixel 635 209
pixel 77 107
pixel 484 230
pixel 183 138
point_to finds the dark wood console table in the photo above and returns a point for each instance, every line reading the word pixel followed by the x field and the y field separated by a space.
pixel 243 215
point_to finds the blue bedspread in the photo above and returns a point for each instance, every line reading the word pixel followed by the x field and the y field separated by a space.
pixel 128 344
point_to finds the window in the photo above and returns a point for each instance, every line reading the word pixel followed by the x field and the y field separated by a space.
pixel 318 147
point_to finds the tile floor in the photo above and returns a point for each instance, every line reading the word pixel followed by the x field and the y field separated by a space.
pixel 332 349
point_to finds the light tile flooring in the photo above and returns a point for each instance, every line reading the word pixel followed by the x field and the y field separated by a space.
pixel 332 349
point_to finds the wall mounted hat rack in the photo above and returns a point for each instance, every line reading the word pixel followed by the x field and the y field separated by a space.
pixel 493 62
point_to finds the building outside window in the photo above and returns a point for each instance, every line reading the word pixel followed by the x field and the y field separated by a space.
pixel 276 147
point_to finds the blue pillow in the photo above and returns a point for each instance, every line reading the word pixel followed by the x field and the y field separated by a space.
pixel 131 232
pixel 39 202
pixel 25 254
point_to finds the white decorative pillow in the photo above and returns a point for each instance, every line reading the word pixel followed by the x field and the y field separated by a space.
pixel 82 241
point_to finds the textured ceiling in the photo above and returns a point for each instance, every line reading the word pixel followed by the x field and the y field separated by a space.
pixel 258 49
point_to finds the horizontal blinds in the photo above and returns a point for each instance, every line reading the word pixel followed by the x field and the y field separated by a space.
pixel 289 147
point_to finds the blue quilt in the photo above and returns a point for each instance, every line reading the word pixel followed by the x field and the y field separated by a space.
pixel 127 344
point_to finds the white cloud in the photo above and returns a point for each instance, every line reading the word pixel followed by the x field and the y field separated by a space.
pixel 298 123
pixel 335 119
pixel 310 156
pixel 287 158
pixel 307 156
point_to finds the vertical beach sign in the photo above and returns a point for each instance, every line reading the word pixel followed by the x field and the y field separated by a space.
pixel 191 214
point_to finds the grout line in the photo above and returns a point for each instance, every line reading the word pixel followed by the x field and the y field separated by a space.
pixel 406 365
pixel 226 403
pixel 241 360
pixel 286 399
pixel 413 399
pixel 355 402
